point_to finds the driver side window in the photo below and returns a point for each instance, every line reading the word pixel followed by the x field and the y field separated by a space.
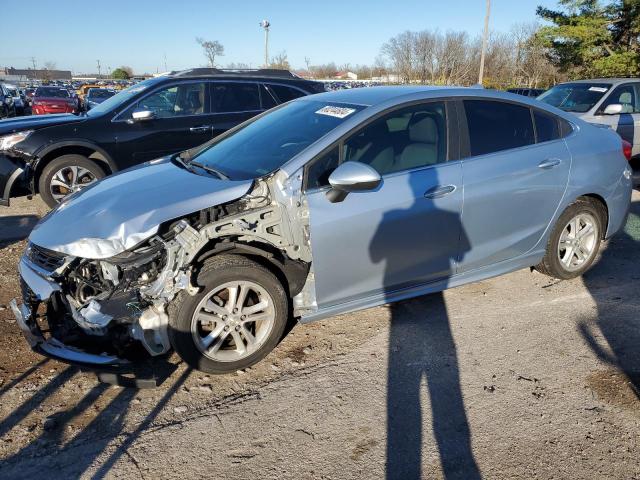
pixel 405 139
pixel 626 95
pixel 176 101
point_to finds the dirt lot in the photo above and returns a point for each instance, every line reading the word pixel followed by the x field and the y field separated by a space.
pixel 515 377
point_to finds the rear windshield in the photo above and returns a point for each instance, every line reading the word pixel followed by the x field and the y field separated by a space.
pixel 264 145
pixel 51 92
pixel 575 97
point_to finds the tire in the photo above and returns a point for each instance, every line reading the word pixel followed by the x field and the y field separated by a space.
pixel 563 261
pixel 66 165
pixel 189 336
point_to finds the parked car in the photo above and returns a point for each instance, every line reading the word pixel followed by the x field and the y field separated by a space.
pixel 609 101
pixel 325 205
pixel 95 96
pixel 52 100
pixel 526 91
pixel 7 109
pixel 18 101
pixel 59 155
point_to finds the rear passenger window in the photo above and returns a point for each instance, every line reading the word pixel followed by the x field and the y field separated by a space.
pixel 284 94
pixel 495 126
pixel 267 99
pixel 546 126
pixel 235 97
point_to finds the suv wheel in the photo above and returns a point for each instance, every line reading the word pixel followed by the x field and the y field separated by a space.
pixel 235 320
pixel 66 175
pixel 575 241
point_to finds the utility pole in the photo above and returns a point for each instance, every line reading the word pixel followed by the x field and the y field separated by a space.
pixel 265 24
pixel 485 41
pixel 98 68
pixel 165 62
pixel 33 62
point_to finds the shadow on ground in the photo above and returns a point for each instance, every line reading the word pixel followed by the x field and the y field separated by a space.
pixel 614 287
pixel 15 228
pixel 105 427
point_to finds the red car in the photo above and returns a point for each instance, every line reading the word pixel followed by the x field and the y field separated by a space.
pixel 53 100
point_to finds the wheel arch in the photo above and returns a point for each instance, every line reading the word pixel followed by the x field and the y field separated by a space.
pixel 87 149
pixel 291 273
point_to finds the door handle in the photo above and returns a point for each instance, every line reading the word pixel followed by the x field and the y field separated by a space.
pixel 549 163
pixel 439 191
pixel 201 129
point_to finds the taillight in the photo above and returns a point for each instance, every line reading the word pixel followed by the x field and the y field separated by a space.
pixel 626 149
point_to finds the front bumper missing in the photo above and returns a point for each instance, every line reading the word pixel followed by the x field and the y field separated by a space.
pixel 42 288
pixel 54 348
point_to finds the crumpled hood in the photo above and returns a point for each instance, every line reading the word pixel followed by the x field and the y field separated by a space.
pixel 122 210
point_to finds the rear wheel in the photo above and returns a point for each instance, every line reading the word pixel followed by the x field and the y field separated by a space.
pixel 575 241
pixel 66 175
pixel 236 319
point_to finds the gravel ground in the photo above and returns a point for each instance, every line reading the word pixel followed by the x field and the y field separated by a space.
pixel 519 376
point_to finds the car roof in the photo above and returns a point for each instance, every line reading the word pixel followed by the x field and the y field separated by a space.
pixel 614 81
pixel 371 96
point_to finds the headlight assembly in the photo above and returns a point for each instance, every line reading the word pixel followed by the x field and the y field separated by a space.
pixel 8 141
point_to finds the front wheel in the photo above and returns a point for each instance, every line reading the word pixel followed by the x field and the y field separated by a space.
pixel 575 241
pixel 66 175
pixel 235 320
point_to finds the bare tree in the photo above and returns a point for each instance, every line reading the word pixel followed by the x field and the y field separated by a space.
pixel 211 50
pixel 280 61
pixel 50 65
pixel 399 50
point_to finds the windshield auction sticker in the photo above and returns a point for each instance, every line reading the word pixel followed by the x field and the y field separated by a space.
pixel 338 112
pixel 598 89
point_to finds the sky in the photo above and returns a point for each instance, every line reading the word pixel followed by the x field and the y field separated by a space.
pixel 142 33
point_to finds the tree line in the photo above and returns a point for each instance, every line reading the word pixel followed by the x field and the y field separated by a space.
pixel 579 39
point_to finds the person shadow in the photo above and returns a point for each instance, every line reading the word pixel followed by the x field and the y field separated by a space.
pixel 613 285
pixel 421 344
pixel 15 228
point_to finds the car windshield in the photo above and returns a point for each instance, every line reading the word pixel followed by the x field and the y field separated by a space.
pixel 101 93
pixel 121 97
pixel 52 92
pixel 13 92
pixel 575 97
pixel 270 141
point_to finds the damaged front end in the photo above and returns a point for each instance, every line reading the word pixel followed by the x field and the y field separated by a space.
pixel 114 311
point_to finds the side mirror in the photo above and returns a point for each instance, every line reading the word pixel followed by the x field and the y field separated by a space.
pixel 352 177
pixel 613 109
pixel 142 116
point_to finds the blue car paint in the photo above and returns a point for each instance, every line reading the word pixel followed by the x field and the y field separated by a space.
pixel 591 163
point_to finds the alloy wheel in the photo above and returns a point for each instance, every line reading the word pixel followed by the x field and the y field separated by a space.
pixel 578 241
pixel 232 321
pixel 69 180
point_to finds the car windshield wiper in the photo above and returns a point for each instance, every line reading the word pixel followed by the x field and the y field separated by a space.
pixel 208 169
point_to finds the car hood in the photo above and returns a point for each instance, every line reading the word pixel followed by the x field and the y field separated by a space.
pixel 122 210
pixel 33 122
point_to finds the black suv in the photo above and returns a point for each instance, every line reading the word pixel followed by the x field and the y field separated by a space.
pixel 55 155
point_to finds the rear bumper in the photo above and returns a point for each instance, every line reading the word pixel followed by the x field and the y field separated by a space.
pixel 12 178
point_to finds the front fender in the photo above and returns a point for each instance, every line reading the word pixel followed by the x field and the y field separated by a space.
pixel 12 173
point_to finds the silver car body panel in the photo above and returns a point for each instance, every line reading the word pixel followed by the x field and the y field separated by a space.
pixel 372 248
pixel 100 222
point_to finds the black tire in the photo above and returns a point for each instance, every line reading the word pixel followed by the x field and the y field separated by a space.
pixel 44 182
pixel 551 264
pixel 217 271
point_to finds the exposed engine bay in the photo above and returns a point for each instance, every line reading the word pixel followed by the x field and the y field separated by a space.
pixel 110 307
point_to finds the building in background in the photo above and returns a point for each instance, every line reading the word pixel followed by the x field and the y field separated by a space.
pixel 11 74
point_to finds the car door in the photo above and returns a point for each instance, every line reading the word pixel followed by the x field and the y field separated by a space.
pixel 181 120
pixel 233 102
pixel 626 123
pixel 513 185
pixel 404 233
